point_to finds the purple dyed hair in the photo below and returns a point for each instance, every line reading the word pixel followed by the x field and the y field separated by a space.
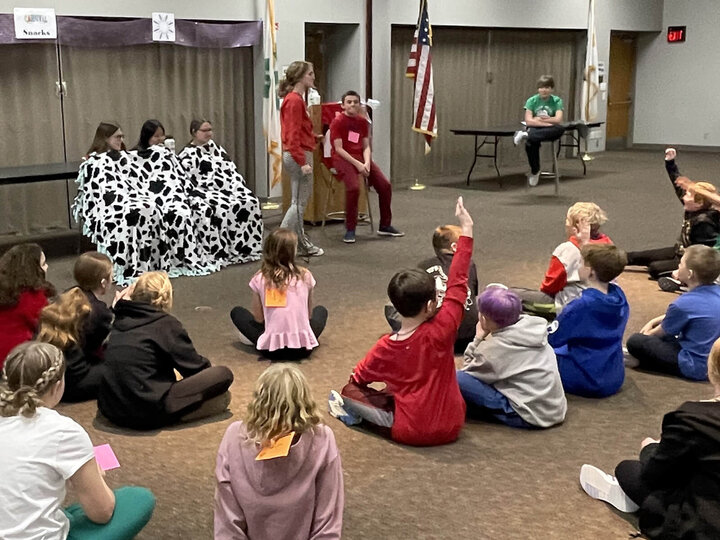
pixel 501 305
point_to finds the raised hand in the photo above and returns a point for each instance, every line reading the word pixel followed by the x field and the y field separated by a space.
pixel 670 154
pixel 464 218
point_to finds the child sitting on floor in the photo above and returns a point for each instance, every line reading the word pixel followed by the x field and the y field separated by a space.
pixel 421 403
pixel 278 471
pixel 587 335
pixel 562 282
pixel 510 372
pixel 678 342
pixel 444 242
pixel 62 324
pixel 42 451
pixel 281 322
pixel 93 273
pixel 139 388
pixel 24 291
pixel 701 224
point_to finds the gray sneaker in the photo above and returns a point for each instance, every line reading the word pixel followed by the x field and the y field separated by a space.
pixel 519 137
pixel 311 250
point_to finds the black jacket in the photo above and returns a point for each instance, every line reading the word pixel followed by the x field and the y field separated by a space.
pixel 683 474
pixel 145 345
pixel 700 227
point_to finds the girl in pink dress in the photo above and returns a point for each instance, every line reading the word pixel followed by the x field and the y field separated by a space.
pixel 281 322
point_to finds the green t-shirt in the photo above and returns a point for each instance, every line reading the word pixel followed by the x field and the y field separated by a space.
pixel 537 105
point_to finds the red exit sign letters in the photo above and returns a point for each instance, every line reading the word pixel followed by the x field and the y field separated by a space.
pixel 676 34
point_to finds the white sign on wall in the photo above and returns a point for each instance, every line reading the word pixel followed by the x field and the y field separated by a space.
pixel 35 23
pixel 163 26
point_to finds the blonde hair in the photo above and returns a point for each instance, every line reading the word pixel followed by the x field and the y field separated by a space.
pixel 589 211
pixel 699 198
pixel 61 322
pixel 154 288
pixel 713 363
pixel 30 370
pixel 281 403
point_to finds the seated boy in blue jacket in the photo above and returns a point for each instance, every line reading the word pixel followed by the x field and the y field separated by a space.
pixel 587 335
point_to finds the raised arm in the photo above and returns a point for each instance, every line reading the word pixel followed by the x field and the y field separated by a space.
pixel 673 172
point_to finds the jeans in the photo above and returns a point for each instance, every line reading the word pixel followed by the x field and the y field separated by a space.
pixel 485 400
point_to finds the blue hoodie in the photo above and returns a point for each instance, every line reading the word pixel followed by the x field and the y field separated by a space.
pixel 587 338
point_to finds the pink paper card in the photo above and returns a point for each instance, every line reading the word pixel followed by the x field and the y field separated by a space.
pixel 353 136
pixel 105 457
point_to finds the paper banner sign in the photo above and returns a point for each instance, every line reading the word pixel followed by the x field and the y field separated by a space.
pixel 35 23
pixel 163 26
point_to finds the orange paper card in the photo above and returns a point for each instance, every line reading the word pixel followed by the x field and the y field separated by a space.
pixel 278 448
pixel 275 298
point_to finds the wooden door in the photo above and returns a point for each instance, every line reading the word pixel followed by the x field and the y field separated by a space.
pixel 620 98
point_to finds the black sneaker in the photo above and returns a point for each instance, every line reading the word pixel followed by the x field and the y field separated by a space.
pixel 389 231
pixel 669 284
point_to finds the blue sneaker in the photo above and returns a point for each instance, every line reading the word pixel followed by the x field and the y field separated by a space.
pixel 349 237
pixel 389 231
pixel 336 409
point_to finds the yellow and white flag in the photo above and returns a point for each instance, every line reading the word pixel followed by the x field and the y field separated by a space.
pixel 591 79
pixel 271 102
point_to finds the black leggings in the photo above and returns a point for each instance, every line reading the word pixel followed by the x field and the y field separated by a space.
pixel 188 394
pixel 659 262
pixel 628 474
pixel 252 330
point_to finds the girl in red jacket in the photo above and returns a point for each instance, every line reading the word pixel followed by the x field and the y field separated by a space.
pixel 298 142
pixel 23 293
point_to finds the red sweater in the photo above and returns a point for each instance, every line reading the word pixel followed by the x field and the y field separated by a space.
pixel 420 371
pixel 19 322
pixel 297 129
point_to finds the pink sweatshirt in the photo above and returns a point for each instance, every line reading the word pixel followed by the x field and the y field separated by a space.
pixel 296 497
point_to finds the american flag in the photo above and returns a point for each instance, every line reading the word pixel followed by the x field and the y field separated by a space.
pixel 420 68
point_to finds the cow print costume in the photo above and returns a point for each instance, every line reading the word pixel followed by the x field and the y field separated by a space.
pixel 137 209
pixel 218 192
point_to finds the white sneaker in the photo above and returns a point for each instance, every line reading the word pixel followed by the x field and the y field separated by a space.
pixel 336 409
pixel 604 487
pixel 533 179
pixel 519 137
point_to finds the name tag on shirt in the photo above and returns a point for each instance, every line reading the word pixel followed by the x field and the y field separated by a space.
pixel 278 448
pixel 275 297
pixel 353 136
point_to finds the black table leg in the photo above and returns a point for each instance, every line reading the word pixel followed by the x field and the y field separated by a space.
pixel 475 156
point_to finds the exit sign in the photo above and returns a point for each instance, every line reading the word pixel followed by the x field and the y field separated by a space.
pixel 676 34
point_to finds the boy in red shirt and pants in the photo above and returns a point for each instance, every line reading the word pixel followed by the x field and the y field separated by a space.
pixel 352 158
pixel 421 403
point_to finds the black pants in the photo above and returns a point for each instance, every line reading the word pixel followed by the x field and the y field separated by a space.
pixel 656 353
pixel 628 474
pixel 86 388
pixel 190 393
pixel 251 329
pixel 659 262
pixel 536 135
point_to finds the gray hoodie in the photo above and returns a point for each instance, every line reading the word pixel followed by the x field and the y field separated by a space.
pixel 518 361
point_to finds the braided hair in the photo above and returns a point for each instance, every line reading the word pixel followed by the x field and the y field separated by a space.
pixel 29 372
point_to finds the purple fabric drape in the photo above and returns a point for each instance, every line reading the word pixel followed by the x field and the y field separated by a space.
pixel 96 33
